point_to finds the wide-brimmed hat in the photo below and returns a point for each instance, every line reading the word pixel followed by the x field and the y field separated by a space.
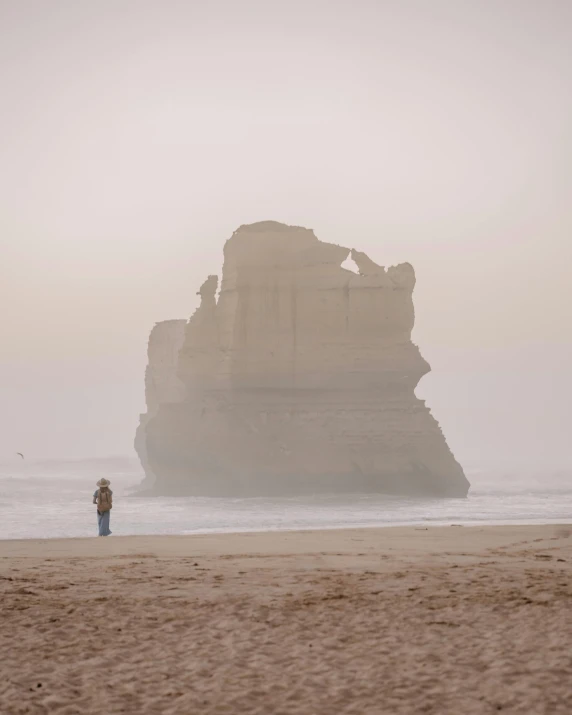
pixel 103 483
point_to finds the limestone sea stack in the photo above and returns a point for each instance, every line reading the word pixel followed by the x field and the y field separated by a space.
pixel 162 385
pixel 299 378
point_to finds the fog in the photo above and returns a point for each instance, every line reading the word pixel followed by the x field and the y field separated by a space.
pixel 137 135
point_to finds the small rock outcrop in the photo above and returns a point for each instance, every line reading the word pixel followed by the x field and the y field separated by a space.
pixel 300 378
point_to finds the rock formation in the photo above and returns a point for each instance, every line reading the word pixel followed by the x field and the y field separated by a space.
pixel 162 385
pixel 300 378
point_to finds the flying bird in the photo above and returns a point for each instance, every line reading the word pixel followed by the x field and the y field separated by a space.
pixel 20 454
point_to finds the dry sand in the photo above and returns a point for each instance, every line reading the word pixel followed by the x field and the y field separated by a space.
pixel 444 620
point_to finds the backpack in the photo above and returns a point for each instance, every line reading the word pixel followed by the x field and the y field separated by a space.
pixel 104 500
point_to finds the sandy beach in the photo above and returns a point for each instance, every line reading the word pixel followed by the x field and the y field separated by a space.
pixel 397 620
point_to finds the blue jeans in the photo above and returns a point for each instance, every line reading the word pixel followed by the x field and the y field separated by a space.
pixel 103 523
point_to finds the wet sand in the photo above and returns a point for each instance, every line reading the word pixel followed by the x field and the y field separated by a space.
pixel 400 620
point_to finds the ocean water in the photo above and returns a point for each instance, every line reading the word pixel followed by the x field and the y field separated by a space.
pixel 54 499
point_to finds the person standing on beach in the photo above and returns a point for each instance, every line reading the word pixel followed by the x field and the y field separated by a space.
pixel 103 497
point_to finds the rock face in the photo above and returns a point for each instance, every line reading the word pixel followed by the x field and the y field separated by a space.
pixel 162 385
pixel 300 378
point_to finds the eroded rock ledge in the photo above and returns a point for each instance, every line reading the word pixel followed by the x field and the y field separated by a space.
pixel 299 379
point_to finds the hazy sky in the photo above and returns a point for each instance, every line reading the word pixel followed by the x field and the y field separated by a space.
pixel 136 135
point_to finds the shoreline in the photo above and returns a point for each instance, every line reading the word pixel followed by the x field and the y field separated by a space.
pixel 409 536
pixel 421 525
